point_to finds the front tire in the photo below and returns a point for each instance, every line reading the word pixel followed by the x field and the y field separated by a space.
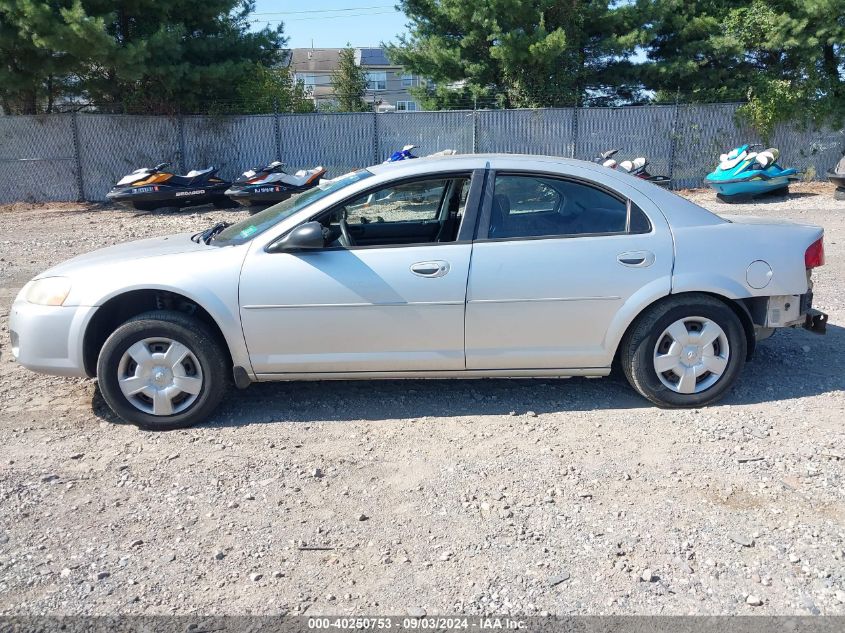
pixel 684 351
pixel 163 370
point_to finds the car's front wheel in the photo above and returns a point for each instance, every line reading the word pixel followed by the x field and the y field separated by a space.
pixel 685 351
pixel 162 370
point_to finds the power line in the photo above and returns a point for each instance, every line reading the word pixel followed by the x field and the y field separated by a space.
pixel 380 6
pixel 327 17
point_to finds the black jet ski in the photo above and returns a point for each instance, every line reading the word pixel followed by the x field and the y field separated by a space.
pixel 271 184
pixel 151 188
pixel 837 177
pixel 636 167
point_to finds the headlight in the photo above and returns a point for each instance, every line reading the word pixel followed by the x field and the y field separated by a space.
pixel 49 291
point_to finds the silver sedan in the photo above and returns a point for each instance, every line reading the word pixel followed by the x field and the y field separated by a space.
pixel 463 266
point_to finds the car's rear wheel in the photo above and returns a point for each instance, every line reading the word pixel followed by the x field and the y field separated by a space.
pixel 162 370
pixel 685 351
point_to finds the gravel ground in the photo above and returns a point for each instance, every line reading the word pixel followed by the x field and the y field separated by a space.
pixel 500 496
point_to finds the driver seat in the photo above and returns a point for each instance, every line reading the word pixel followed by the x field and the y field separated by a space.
pixel 303 176
pixel 192 177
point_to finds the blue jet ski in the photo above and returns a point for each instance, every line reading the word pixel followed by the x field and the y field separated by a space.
pixel 743 174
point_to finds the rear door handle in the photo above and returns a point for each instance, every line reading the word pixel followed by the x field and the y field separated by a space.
pixel 436 268
pixel 636 259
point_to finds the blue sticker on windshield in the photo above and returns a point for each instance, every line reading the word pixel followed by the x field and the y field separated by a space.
pixel 249 231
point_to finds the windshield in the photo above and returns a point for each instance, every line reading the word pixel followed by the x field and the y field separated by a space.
pixel 269 217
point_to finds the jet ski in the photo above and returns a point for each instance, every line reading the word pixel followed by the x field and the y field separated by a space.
pixel 271 184
pixel 636 167
pixel 406 153
pixel 837 177
pixel 403 154
pixel 743 174
pixel 605 159
pixel 151 188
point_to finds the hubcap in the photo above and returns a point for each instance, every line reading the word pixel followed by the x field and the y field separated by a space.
pixel 691 355
pixel 160 376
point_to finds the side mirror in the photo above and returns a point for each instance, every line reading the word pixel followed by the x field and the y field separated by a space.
pixel 306 236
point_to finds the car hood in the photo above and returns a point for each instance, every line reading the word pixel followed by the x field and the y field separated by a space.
pixel 121 253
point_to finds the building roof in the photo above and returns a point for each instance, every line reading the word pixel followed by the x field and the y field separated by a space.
pixel 326 59
pixel 314 59
pixel 371 57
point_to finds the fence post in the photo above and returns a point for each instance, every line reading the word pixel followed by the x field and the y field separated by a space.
pixel 277 129
pixel 181 128
pixel 674 143
pixel 77 157
pixel 376 160
pixel 575 130
pixel 475 125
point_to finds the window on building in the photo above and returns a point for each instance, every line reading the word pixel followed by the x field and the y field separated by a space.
pixel 406 106
pixel 377 80
pixel 407 80
pixel 308 80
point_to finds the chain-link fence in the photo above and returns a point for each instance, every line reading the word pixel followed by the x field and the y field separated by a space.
pixel 80 156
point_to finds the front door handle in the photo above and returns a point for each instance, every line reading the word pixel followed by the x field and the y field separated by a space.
pixel 636 259
pixel 436 268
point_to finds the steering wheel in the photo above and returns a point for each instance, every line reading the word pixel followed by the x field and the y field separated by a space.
pixel 345 238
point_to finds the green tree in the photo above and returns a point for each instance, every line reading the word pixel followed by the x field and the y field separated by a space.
pixel 520 53
pixel 687 53
pixel 784 57
pixel 274 89
pixel 349 83
pixel 802 43
pixel 136 55
pixel 179 55
pixel 43 45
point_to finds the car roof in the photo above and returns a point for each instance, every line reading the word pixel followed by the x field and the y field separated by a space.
pixel 477 161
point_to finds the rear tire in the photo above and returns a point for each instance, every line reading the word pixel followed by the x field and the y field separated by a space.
pixel 163 370
pixel 693 373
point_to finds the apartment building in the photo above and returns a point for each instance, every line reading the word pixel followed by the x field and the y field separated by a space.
pixel 388 85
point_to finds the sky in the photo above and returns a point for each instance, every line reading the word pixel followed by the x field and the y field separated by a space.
pixel 332 23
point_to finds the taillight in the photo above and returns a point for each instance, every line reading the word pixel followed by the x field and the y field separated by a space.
pixel 814 256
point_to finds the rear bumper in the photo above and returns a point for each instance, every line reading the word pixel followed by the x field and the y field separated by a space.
pixel 49 339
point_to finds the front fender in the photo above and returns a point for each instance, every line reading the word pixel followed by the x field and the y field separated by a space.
pixel 208 278
pixel 224 313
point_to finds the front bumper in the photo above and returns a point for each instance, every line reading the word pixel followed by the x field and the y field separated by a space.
pixel 49 339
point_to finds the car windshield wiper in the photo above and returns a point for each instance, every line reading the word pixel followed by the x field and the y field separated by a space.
pixel 206 236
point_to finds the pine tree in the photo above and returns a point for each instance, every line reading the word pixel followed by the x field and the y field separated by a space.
pixel 519 53
pixel 43 44
pixel 349 82
pixel 137 56
pixel 786 58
